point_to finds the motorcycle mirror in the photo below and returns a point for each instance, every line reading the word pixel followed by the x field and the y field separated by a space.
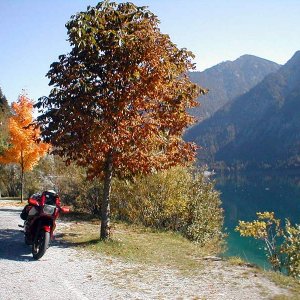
pixel 33 202
pixel 65 209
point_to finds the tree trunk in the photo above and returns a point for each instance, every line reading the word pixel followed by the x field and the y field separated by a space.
pixel 22 184
pixel 22 175
pixel 105 205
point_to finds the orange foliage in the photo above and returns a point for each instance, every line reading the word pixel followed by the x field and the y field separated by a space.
pixel 25 148
pixel 122 94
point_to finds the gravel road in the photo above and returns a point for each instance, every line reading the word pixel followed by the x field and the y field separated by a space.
pixel 68 273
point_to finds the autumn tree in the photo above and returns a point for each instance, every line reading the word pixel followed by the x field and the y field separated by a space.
pixel 24 147
pixel 119 98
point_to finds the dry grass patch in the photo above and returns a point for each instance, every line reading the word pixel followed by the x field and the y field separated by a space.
pixel 285 282
pixel 12 202
pixel 139 244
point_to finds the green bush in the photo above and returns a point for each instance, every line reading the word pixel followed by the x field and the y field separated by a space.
pixel 205 215
pixel 179 199
pixel 157 200
pixel 10 180
pixel 291 249
pixel 89 197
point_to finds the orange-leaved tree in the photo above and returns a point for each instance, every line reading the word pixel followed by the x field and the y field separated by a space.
pixel 119 98
pixel 25 147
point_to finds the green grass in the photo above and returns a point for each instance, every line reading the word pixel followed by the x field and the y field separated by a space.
pixel 139 244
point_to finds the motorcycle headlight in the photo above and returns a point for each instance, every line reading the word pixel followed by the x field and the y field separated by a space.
pixel 49 209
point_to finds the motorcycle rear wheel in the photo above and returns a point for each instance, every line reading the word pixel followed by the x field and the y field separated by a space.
pixel 40 245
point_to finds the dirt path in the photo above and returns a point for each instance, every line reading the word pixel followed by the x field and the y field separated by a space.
pixel 68 273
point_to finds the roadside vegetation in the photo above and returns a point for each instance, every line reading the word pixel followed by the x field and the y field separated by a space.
pixel 180 199
pixel 282 242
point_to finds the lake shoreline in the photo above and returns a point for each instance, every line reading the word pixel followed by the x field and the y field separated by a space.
pixel 243 194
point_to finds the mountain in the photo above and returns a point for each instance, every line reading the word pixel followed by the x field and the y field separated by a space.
pixel 260 128
pixel 228 80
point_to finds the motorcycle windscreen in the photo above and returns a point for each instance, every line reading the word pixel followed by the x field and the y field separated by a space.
pixel 49 209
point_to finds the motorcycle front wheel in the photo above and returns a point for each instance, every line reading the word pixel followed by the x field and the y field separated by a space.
pixel 27 240
pixel 40 244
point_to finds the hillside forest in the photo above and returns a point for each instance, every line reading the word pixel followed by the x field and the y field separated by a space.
pixel 258 126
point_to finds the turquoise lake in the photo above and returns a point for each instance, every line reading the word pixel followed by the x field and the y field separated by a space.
pixel 245 194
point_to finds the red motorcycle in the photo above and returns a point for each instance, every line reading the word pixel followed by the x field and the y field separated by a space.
pixel 40 215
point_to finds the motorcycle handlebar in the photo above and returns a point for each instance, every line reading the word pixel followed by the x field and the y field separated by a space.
pixel 63 209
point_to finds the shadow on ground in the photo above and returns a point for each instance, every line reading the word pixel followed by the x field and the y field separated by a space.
pixel 12 246
pixel 62 241
pixel 11 210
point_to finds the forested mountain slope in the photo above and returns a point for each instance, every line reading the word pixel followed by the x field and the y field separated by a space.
pixel 228 80
pixel 258 129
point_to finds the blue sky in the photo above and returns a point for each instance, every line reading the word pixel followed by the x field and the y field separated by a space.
pixel 32 34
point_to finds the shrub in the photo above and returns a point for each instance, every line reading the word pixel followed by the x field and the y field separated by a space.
pixel 266 228
pixel 89 196
pixel 291 249
pixel 204 212
pixel 179 199
pixel 157 200
pixel 10 180
pixel 282 243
